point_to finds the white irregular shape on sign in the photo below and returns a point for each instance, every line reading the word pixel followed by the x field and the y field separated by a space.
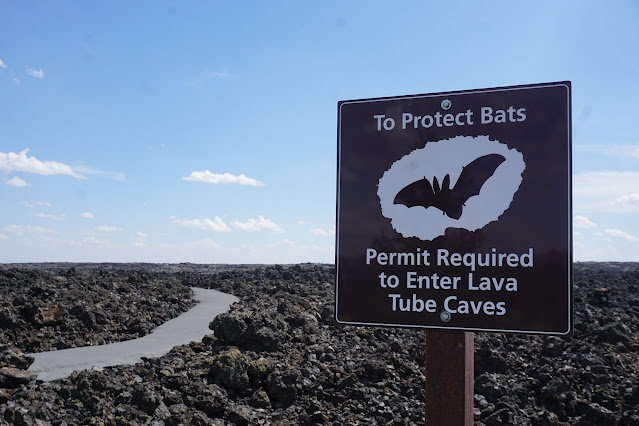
pixel 449 157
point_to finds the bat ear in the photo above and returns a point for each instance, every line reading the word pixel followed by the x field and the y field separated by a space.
pixel 446 182
pixel 436 187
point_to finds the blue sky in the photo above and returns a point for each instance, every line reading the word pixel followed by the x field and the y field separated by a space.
pixel 205 132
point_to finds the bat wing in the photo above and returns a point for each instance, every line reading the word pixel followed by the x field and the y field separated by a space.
pixel 419 193
pixel 474 175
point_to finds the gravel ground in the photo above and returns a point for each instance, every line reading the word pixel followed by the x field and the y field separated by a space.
pixel 277 357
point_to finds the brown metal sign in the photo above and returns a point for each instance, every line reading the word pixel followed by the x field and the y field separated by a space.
pixel 454 210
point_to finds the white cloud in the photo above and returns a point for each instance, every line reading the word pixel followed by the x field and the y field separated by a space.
pixel 608 191
pixel 602 252
pixel 631 200
pixel 207 75
pixel 259 224
pixel 282 243
pixel 20 230
pixel 92 241
pixel 225 178
pixel 3 237
pixel 140 239
pixel 107 228
pixel 322 232
pixel 2 65
pixel 17 182
pixel 583 222
pixel 87 215
pixel 618 233
pixel 119 176
pixel 40 230
pixel 206 224
pixel 219 74
pixel 50 216
pixel 15 229
pixel 39 74
pixel 613 150
pixel 12 162
pixel 37 203
pixel 210 75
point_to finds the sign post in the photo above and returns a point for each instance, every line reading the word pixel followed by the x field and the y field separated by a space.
pixel 454 212
pixel 449 378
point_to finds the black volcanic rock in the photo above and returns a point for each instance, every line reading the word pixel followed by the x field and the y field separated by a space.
pixel 277 356
pixel 11 377
pixel 12 357
pixel 230 369
pixel 57 307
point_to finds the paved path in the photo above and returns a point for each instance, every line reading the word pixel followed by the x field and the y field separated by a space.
pixel 189 327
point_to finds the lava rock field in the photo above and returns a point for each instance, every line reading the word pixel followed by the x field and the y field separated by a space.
pixel 278 357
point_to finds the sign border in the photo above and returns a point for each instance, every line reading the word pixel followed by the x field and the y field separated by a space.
pixel 568 86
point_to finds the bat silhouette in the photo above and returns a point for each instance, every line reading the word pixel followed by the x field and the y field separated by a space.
pixel 450 201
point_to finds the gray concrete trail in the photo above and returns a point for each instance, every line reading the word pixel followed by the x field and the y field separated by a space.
pixel 191 326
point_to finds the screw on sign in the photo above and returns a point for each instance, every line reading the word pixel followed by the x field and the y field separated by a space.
pixel 445 316
pixel 454 214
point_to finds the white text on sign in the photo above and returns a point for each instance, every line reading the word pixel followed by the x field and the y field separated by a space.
pixel 487 115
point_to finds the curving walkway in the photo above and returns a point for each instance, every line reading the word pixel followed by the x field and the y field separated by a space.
pixel 188 327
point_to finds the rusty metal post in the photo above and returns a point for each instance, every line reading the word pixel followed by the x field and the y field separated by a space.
pixel 450 366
